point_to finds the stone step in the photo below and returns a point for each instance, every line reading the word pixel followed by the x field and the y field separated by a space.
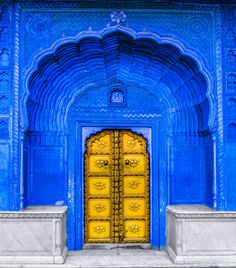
pixel 118 258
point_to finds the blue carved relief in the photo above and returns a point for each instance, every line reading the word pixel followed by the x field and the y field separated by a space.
pixel 117 97
pixel 230 37
pixel 170 70
pixel 4 104
pixel 4 57
pixel 116 78
pixel 4 24
pixel 231 82
pixel 4 131
pixel 40 25
pixel 231 58
pixel 4 82
pixel 118 17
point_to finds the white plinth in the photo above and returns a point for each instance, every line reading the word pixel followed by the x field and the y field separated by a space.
pixel 198 234
pixel 35 235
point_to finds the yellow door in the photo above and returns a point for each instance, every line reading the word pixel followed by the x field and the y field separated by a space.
pixel 116 188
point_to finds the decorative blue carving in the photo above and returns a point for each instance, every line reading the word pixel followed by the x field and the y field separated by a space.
pixel 4 34
pixel 4 82
pixel 4 104
pixel 162 72
pixel 4 57
pixel 4 131
pixel 231 57
pixel 40 25
pixel 4 15
pixel 197 27
pixel 231 82
pixel 118 17
pixel 230 36
pixel 117 97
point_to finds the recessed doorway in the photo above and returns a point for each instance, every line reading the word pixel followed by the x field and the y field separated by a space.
pixel 116 188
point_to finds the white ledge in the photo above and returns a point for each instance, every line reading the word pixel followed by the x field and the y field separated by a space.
pixel 199 211
pixel 35 212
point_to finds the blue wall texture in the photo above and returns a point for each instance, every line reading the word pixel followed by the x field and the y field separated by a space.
pixel 158 68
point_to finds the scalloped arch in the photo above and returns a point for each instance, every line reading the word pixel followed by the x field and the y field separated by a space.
pixel 60 74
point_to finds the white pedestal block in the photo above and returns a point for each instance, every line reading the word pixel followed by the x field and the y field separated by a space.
pixel 35 235
pixel 197 234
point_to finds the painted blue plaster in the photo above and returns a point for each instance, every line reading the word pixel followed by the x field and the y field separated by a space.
pixel 176 64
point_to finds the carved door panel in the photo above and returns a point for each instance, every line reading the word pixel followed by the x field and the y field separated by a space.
pixel 116 188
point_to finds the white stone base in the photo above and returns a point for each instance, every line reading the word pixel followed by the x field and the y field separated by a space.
pixel 197 234
pixel 35 235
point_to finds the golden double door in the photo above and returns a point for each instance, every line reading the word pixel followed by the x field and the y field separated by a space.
pixel 116 188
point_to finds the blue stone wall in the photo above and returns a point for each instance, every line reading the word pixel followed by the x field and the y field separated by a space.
pixel 193 126
pixel 229 100
pixel 7 172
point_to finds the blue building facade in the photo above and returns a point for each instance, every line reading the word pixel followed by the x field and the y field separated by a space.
pixel 166 71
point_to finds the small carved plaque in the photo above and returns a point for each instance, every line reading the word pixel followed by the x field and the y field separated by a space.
pixel 133 184
pixel 134 206
pixel 99 207
pixel 99 186
pixel 102 163
pixel 134 228
pixel 131 163
pixel 99 229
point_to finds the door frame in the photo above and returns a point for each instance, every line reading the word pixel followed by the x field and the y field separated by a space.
pixel 157 213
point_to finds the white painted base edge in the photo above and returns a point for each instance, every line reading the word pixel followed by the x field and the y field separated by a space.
pixel 197 259
pixel 34 259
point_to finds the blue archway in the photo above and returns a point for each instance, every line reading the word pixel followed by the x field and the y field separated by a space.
pixel 165 89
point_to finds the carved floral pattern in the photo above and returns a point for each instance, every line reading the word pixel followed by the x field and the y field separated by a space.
pixel 100 186
pixel 40 24
pixel 101 143
pixel 197 27
pixel 134 206
pixel 131 163
pixel 231 82
pixel 102 163
pixel 118 17
pixel 99 229
pixel 4 57
pixel 134 228
pixel 99 207
pixel 133 184
pixel 132 143
pixel 231 57
pixel 4 33
pixel 3 129
pixel 230 36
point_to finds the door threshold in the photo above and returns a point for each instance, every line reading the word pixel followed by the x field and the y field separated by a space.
pixel 102 246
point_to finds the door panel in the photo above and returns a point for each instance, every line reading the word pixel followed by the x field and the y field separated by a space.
pixel 116 188
pixel 134 185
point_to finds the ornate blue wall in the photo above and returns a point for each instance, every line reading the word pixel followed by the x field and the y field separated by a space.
pixel 163 70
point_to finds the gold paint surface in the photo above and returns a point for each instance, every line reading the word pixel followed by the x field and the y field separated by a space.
pixel 134 185
pixel 99 208
pixel 134 207
pixel 99 186
pixel 135 229
pixel 99 230
pixel 116 188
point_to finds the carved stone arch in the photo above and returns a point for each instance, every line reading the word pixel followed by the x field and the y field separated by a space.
pixel 190 60
pixel 167 82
